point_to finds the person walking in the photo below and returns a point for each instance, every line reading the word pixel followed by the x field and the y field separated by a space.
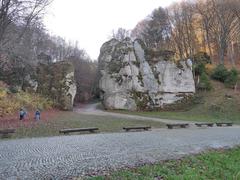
pixel 37 115
pixel 21 114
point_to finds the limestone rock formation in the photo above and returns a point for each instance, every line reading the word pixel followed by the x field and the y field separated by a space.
pixel 56 81
pixel 133 77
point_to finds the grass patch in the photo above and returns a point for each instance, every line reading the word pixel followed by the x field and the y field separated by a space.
pixel 74 120
pixel 211 165
pixel 191 115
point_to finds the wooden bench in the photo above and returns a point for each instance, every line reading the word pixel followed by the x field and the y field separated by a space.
pixel 170 126
pixel 66 131
pixel 5 132
pixel 204 124
pixel 146 128
pixel 224 123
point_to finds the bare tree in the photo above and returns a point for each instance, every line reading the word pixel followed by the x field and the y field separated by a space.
pixel 207 17
pixel 120 34
pixel 155 30
pixel 140 29
pixel 19 14
pixel 224 24
pixel 183 35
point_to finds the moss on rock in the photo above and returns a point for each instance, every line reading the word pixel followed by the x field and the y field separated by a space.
pixel 141 99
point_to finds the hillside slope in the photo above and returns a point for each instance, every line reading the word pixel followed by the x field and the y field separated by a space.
pixel 11 101
pixel 219 104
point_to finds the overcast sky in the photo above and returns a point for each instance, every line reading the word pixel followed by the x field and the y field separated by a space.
pixel 90 22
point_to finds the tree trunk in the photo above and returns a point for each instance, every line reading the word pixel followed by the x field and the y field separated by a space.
pixel 221 56
pixel 223 48
pixel 232 56
pixel 208 43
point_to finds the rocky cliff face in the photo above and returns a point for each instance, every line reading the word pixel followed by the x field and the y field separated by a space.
pixel 134 77
pixel 57 82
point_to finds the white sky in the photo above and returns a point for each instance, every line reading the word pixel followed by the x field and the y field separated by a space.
pixel 90 22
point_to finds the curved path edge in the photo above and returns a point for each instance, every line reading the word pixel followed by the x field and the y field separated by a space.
pixel 92 109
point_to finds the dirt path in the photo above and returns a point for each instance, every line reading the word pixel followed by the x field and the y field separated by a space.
pixel 92 109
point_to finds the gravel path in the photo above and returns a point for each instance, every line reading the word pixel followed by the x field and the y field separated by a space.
pixel 91 109
pixel 77 155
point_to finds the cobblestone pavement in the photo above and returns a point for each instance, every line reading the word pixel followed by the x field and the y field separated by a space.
pixel 63 157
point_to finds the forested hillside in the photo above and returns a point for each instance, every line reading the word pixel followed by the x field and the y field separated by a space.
pixel 25 43
pixel 189 27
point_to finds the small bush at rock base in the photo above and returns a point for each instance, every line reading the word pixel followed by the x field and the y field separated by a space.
pixel 231 79
pixel 199 69
pixel 204 83
pixel 220 73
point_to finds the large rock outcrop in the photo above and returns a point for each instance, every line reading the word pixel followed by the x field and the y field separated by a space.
pixel 56 81
pixel 133 77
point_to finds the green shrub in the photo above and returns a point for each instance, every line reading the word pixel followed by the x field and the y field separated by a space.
pixel 13 89
pixel 220 73
pixel 231 79
pixel 199 69
pixel 204 83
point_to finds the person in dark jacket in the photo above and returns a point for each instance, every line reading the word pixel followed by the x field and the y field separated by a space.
pixel 37 115
pixel 21 114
